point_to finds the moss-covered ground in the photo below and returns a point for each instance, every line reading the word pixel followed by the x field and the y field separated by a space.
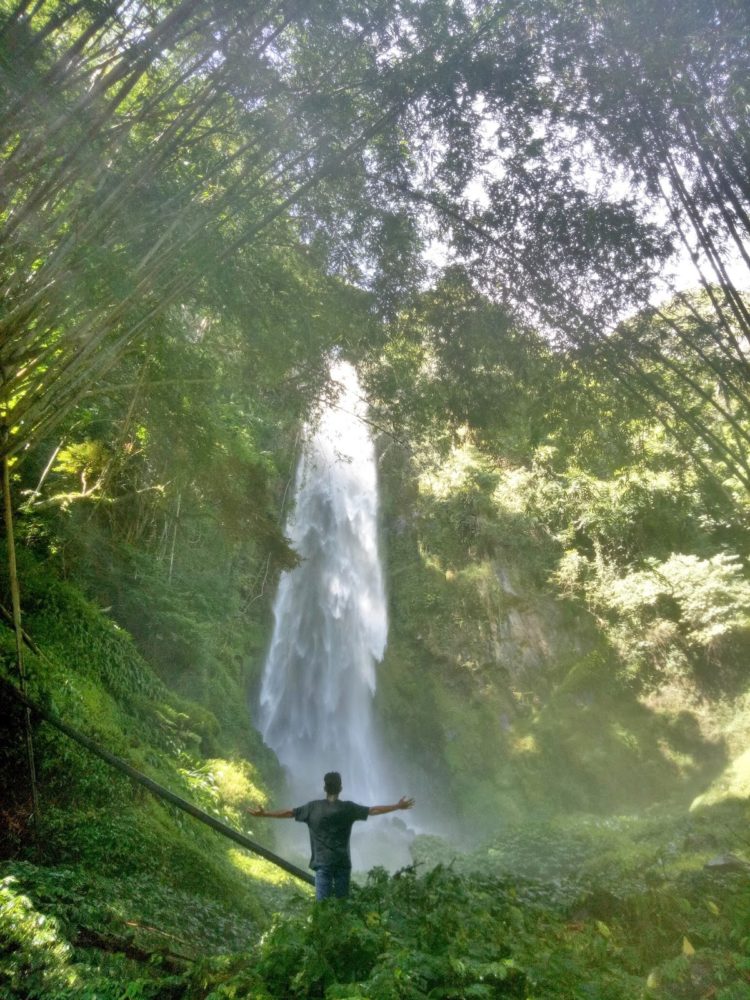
pixel 110 880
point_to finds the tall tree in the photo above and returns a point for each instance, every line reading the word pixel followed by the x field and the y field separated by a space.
pixel 143 142
pixel 141 139
pixel 624 143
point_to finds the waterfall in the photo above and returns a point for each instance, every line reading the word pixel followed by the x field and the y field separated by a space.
pixel 330 631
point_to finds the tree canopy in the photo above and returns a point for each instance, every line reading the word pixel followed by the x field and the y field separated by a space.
pixel 166 166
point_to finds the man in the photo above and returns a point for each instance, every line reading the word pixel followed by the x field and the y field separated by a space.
pixel 330 822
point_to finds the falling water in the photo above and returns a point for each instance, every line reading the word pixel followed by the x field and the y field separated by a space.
pixel 316 701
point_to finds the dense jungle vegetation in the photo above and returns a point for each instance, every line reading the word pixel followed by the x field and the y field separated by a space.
pixel 526 223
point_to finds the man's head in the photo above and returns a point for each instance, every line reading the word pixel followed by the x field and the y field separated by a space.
pixel 332 783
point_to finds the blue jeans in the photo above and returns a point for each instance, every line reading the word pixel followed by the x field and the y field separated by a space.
pixel 330 881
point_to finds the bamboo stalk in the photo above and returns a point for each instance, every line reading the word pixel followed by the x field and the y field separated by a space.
pixel 18 630
pixel 174 536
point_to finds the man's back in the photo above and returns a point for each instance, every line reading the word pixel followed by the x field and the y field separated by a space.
pixel 330 823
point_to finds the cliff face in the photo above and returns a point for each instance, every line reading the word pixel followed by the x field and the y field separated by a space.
pixel 506 697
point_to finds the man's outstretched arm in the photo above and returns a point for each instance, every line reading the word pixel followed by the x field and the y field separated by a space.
pixel 273 813
pixel 403 803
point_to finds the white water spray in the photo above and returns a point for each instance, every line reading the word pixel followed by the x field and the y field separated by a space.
pixel 316 700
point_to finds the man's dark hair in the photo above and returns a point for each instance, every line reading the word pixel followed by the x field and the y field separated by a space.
pixel 332 783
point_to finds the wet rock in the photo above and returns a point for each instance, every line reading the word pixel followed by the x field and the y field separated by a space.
pixel 727 863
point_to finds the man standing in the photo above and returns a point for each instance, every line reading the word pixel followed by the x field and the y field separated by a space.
pixel 330 822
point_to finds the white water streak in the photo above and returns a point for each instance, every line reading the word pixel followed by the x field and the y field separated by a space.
pixel 316 701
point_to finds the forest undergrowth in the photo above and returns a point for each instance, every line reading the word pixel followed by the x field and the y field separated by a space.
pixel 626 907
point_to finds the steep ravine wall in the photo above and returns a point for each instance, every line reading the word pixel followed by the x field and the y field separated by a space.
pixel 500 697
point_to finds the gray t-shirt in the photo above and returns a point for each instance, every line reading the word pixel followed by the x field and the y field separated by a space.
pixel 330 825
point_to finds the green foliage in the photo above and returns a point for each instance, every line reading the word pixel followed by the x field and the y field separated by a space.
pixel 617 909
pixel 583 909
pixel 456 360
pixel 680 615
pixel 71 933
pixel 709 593
pixel 73 631
pixel 404 937
pixel 190 923
pixel 95 818
pixel 37 957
